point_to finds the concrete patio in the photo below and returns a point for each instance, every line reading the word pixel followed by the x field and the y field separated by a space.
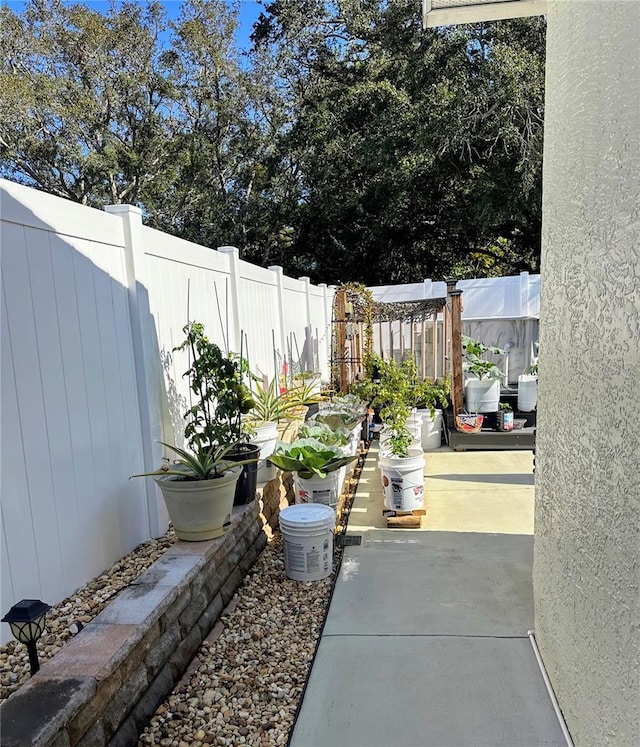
pixel 426 637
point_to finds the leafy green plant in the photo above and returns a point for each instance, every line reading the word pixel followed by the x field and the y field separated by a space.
pixel 321 432
pixel 429 393
pixel 399 442
pixel 532 370
pixel 269 405
pixel 309 458
pixel 336 420
pixel 302 394
pixel 475 364
pixel 222 398
pixel 397 389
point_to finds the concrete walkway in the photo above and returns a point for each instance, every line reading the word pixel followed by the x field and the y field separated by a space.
pixel 425 643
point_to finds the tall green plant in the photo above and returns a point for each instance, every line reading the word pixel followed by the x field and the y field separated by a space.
pixel 221 397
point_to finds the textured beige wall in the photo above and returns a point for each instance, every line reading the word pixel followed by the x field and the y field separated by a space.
pixel 587 548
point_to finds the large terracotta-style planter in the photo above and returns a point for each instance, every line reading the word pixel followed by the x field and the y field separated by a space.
pixel 200 509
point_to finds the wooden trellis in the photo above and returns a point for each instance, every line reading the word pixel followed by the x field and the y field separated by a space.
pixel 355 313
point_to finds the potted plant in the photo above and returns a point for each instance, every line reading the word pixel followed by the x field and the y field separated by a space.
pixel 401 464
pixel 268 421
pixel 298 399
pixel 316 469
pixel 482 387
pixel 216 419
pixel 431 398
pixel 344 412
pixel 322 432
pixel 340 437
pixel 198 490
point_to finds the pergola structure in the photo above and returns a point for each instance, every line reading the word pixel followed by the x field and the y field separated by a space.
pixel 355 313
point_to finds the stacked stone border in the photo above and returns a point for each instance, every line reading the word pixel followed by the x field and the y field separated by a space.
pixel 103 687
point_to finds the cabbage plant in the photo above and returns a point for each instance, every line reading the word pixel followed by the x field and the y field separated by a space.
pixel 322 432
pixel 309 458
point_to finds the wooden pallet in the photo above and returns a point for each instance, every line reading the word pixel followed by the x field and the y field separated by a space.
pixel 404 519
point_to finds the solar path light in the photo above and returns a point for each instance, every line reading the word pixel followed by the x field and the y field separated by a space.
pixel 26 620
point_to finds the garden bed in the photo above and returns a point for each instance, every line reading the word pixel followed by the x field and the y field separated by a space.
pixel 242 687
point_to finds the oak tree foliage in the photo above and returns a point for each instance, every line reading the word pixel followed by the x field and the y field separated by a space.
pixel 347 144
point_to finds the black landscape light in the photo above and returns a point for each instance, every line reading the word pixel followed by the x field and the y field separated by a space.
pixel 26 620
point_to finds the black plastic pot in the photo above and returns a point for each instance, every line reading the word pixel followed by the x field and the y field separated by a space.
pixel 247 484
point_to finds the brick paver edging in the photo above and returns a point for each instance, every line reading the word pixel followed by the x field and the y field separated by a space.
pixel 105 684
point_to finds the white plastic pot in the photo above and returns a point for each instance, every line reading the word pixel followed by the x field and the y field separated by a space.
pixel 527 392
pixel 324 490
pixel 482 395
pixel 266 438
pixel 431 431
pixel 403 481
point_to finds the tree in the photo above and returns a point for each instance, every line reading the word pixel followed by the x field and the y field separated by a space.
pixel 83 100
pixel 127 106
pixel 418 154
pixel 349 145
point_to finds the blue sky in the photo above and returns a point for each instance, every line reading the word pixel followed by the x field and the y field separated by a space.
pixel 249 12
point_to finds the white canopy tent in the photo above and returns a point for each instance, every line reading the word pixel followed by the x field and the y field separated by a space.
pixel 500 311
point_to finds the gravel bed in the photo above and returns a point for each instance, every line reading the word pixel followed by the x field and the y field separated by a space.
pixel 244 685
pixel 245 682
pixel 67 618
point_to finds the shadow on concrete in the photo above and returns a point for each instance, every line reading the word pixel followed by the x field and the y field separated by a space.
pixel 504 479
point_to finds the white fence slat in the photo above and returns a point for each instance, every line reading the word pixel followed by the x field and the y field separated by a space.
pixel 88 545
pixel 8 594
pixel 19 540
pixel 104 513
pixel 56 420
pixel 31 410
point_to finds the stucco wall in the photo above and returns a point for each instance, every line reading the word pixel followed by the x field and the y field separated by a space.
pixel 587 548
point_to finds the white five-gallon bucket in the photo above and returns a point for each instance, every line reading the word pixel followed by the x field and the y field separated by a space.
pixel 318 489
pixel 402 482
pixel 266 437
pixel 431 432
pixel 307 533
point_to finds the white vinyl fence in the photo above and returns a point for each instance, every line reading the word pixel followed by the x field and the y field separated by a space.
pixel 93 304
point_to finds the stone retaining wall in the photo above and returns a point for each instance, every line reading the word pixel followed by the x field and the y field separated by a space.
pixel 104 685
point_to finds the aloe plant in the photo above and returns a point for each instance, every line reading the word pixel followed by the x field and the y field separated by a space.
pixel 309 458
pixel 269 405
pixel 204 464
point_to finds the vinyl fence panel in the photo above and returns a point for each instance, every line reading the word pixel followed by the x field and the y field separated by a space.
pixel 70 430
pixel 93 305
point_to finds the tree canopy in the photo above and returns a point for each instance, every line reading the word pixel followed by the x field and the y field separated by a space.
pixel 348 144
